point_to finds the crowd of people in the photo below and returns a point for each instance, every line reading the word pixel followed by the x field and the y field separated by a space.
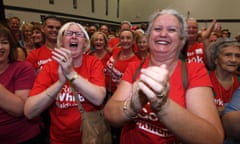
pixel 135 75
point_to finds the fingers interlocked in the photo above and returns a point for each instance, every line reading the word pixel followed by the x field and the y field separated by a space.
pixel 154 84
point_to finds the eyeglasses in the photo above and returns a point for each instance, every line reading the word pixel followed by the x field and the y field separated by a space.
pixel 77 33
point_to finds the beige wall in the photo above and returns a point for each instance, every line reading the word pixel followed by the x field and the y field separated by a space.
pixel 133 10
pixel 201 9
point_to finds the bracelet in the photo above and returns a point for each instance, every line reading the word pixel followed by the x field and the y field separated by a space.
pixel 125 110
pixel 50 96
pixel 75 76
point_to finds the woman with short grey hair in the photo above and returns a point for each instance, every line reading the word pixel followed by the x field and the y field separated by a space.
pixel 223 61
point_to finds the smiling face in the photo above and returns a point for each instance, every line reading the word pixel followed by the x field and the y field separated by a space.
pixel 14 24
pixel 51 28
pixel 27 31
pixel 142 43
pixel 98 41
pixel 4 49
pixel 74 40
pixel 228 59
pixel 192 29
pixel 104 29
pixel 126 39
pixel 37 36
pixel 164 38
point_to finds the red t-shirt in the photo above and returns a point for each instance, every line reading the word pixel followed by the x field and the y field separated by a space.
pixel 64 113
pixel 39 57
pixel 222 95
pixel 147 129
pixel 195 53
pixel 115 68
pixel 113 42
pixel 13 130
pixel 104 59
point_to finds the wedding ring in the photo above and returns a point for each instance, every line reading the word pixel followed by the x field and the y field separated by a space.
pixel 163 92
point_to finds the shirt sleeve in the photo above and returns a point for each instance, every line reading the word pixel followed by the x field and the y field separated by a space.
pixel 234 104
pixel 25 76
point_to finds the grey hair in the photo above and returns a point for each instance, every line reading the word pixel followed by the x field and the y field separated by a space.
pixel 66 27
pixel 215 48
pixel 181 19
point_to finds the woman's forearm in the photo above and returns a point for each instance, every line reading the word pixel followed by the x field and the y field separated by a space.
pixel 38 103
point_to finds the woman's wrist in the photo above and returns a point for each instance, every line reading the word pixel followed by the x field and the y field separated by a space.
pixel 52 97
pixel 72 76
pixel 128 111
pixel 163 111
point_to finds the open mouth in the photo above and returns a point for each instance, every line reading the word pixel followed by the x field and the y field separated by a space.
pixel 2 51
pixel 74 45
pixel 163 42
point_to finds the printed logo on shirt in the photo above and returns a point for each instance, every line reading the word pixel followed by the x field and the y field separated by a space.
pixel 149 122
pixel 66 99
pixel 199 51
pixel 190 54
pixel 42 62
pixel 154 129
pixel 218 102
pixel 195 55
pixel 195 59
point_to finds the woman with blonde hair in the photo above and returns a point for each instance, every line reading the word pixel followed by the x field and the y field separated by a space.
pixel 99 42
pixel 70 68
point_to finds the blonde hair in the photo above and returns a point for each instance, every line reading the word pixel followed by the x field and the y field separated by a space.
pixel 66 27
pixel 95 34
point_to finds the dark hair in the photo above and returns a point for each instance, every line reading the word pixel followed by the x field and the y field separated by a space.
pixel 6 33
pixel 183 52
pixel 227 32
pixel 37 26
pixel 50 17
pixel 14 17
